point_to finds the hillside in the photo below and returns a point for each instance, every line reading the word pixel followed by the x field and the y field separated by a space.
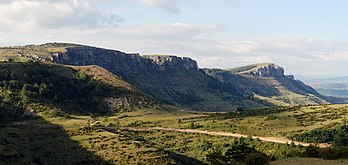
pixel 68 89
pixel 178 80
pixel 267 82
pixel 174 80
pixel 98 106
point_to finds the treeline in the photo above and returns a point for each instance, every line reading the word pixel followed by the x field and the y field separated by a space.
pixel 241 112
pixel 338 135
pixel 256 152
pixel 62 87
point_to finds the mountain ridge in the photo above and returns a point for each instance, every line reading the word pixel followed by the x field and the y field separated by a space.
pixel 180 82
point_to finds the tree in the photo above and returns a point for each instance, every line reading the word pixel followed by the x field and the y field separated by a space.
pixel 239 152
pixel 192 125
pixel 311 152
pixel 341 138
pixel 216 157
pixel 256 159
pixel 24 94
pixel 7 97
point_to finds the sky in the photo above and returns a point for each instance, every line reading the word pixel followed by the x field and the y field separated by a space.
pixel 306 37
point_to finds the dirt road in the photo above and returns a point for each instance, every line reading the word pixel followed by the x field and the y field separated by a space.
pixel 267 139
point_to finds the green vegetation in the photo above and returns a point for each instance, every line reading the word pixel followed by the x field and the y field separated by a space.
pixel 329 133
pixel 33 52
pixel 32 84
pixel 246 68
pixel 53 114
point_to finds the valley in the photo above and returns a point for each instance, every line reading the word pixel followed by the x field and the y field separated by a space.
pixel 85 105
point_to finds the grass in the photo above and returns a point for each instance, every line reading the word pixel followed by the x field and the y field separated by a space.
pixel 33 52
pixel 283 123
pixel 246 68
pixel 153 147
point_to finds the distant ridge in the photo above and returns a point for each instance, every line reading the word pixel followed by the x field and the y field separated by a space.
pixel 178 80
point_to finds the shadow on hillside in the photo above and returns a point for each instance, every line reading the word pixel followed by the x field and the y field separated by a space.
pixel 178 158
pixel 35 141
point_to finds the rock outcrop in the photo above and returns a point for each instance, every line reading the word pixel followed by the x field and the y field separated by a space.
pixel 265 70
pixel 173 62
pixel 121 62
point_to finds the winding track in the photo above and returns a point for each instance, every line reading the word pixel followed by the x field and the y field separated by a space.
pixel 267 139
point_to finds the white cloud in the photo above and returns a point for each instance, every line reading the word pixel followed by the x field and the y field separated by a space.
pixel 168 5
pixel 28 15
pixel 298 55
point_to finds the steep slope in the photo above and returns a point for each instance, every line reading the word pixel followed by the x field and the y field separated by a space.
pixel 268 82
pixel 178 80
pixel 175 80
pixel 38 86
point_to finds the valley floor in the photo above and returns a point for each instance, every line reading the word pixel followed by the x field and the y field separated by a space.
pixel 162 135
pixel 281 140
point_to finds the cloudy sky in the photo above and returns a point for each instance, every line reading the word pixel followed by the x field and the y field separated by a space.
pixel 307 37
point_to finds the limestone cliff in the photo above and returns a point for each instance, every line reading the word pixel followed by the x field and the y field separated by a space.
pixel 174 80
pixel 121 62
pixel 265 70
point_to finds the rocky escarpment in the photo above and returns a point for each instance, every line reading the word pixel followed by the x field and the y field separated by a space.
pixel 121 62
pixel 265 70
pixel 174 80
pixel 173 62
pixel 268 82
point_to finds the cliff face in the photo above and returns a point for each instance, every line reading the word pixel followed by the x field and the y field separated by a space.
pixel 173 62
pixel 175 80
pixel 265 70
pixel 121 62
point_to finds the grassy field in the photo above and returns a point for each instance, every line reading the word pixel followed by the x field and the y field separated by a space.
pixel 276 122
pixel 89 138
pixel 32 52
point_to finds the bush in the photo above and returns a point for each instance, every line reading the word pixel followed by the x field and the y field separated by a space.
pixel 256 159
pixel 216 157
pixel 311 152
pixel 240 153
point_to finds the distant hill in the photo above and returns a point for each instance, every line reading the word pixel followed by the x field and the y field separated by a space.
pixel 178 80
pixel 337 87
pixel 267 82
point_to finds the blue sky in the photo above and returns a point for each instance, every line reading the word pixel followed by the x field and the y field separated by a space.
pixel 306 37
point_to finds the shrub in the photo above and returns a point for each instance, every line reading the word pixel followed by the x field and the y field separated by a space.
pixel 256 159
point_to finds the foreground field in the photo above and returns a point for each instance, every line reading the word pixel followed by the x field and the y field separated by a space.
pixel 167 136
pixel 259 122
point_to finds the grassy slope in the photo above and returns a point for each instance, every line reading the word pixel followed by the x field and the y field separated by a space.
pixel 122 147
pixel 279 91
pixel 25 53
pixel 50 129
pixel 277 122
pixel 117 146
pixel 246 68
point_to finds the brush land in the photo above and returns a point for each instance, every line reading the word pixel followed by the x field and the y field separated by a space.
pixel 52 114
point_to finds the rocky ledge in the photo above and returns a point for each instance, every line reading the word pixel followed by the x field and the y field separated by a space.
pixel 173 62
pixel 118 62
pixel 266 70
